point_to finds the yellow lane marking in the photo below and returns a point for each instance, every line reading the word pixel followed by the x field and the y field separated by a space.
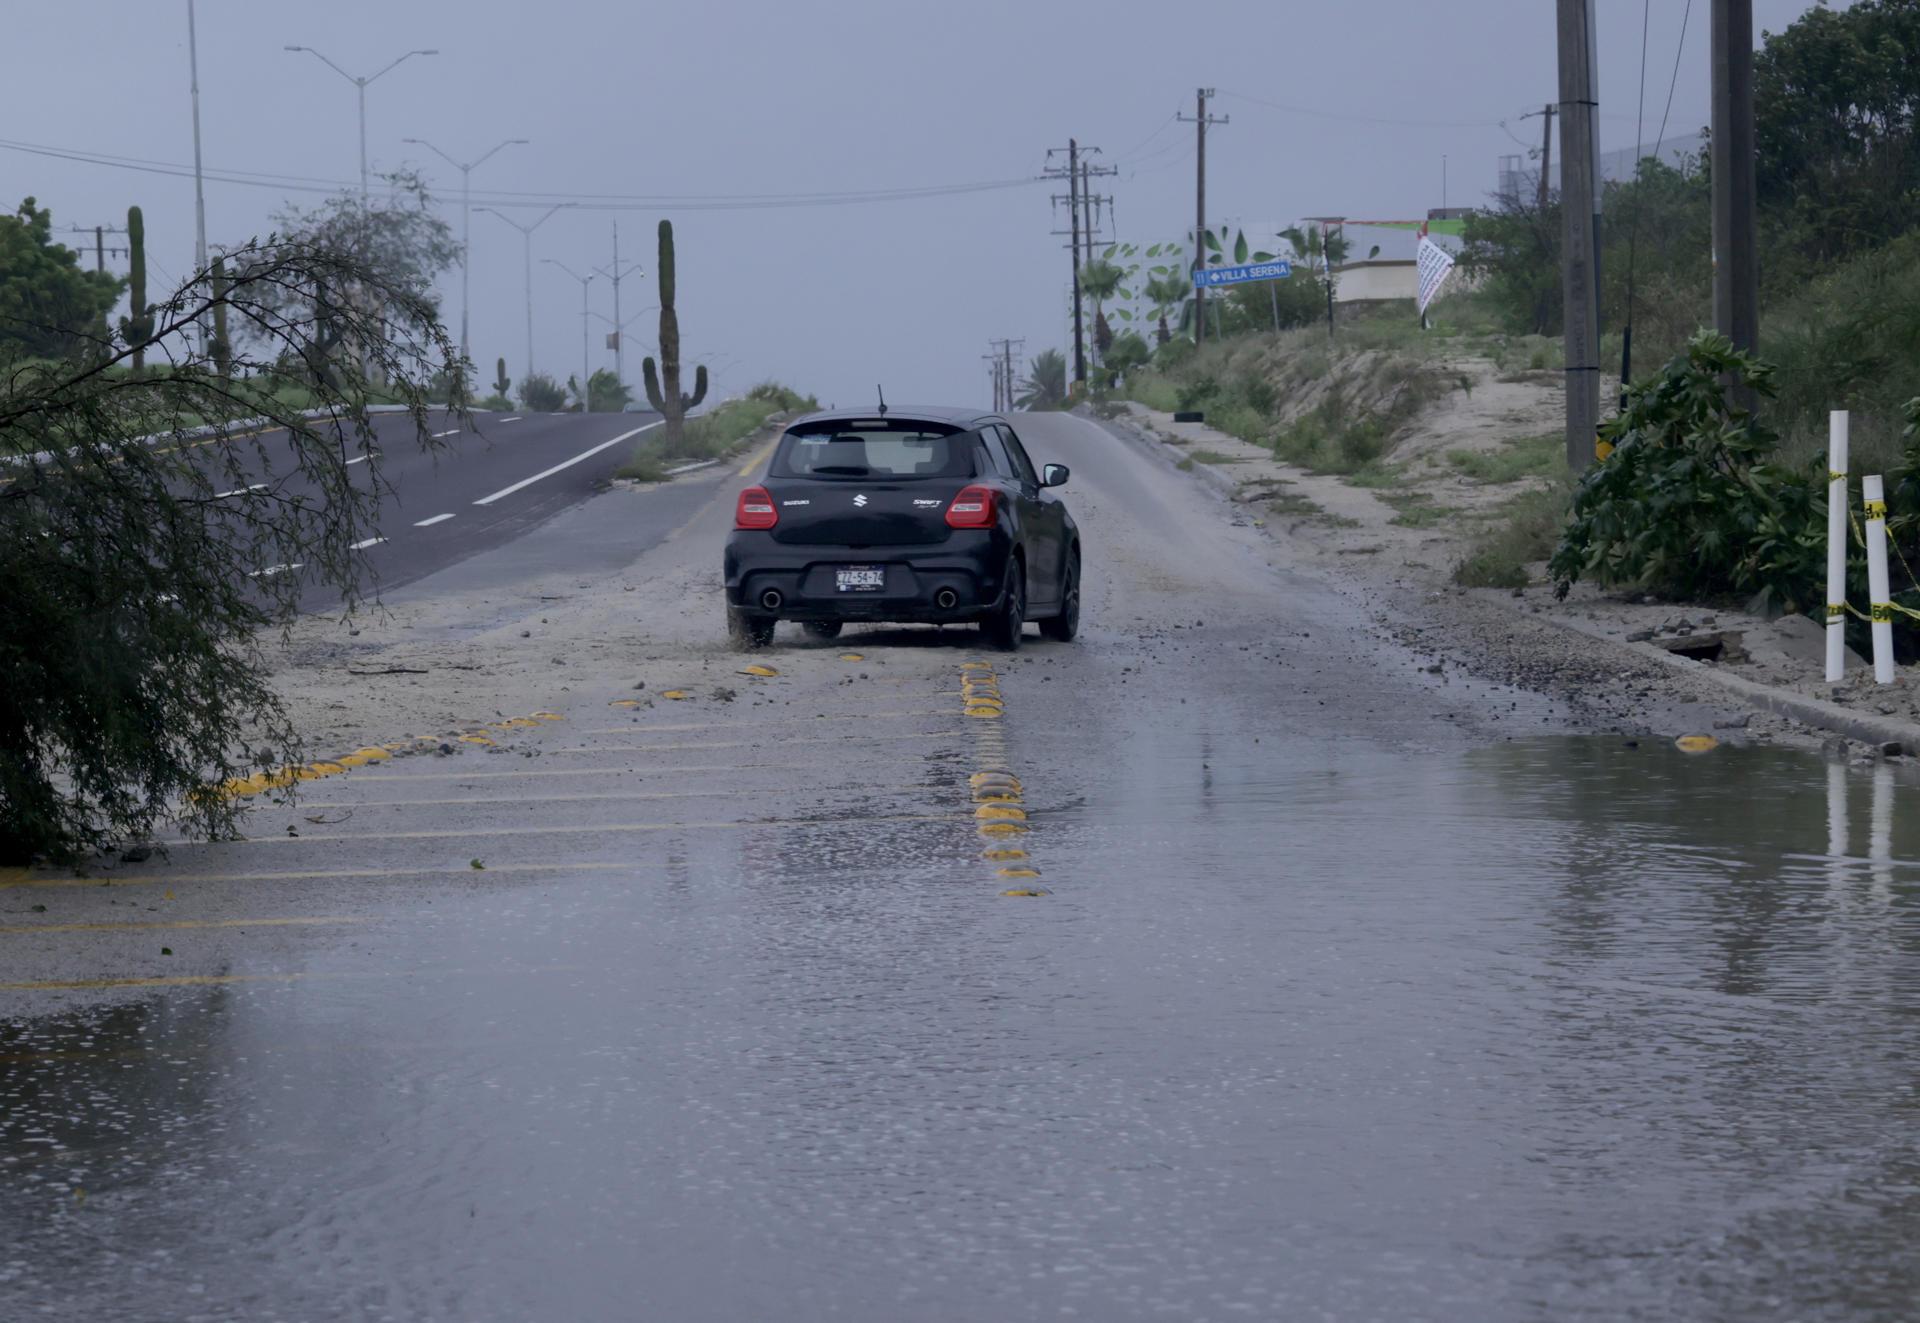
pixel 326 874
pixel 536 799
pixel 750 744
pixel 471 832
pixel 220 980
pixel 590 771
pixel 24 929
pixel 633 729
pixel 1028 891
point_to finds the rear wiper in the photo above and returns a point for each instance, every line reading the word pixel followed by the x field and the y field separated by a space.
pixel 851 470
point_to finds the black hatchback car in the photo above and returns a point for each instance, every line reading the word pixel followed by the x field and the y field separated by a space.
pixel 934 516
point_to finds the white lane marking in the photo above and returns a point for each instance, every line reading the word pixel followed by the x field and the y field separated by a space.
pixel 565 464
pixel 370 542
pixel 240 491
pixel 452 431
pixel 690 468
pixel 516 418
pixel 363 459
pixel 272 570
pixel 437 519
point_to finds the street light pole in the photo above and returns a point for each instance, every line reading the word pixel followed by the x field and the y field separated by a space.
pixel 361 83
pixel 466 218
pixel 199 190
pixel 526 234
pixel 586 354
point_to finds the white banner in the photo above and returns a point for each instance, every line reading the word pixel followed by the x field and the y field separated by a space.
pixel 1435 265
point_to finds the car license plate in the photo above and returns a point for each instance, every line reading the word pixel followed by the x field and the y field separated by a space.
pixel 860 579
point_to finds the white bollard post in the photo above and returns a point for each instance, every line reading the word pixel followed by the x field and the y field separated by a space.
pixel 1836 546
pixel 1879 589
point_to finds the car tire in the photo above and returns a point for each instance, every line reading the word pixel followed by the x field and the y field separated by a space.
pixel 748 632
pixel 1004 626
pixel 1063 627
pixel 822 629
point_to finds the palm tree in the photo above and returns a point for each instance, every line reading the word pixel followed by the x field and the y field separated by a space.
pixel 1046 383
pixel 1168 295
pixel 1100 281
pixel 1317 245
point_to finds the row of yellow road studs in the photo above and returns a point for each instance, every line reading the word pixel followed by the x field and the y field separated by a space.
pixel 262 782
pixel 997 793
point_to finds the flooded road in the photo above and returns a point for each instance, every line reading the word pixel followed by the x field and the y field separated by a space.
pixel 1348 991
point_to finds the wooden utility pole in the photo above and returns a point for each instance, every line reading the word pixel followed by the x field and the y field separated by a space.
pixel 1736 265
pixel 1200 121
pixel 1546 153
pixel 1580 228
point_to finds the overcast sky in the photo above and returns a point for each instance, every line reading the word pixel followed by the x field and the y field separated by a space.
pixel 713 99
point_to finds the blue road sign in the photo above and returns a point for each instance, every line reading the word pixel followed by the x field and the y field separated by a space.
pixel 1239 275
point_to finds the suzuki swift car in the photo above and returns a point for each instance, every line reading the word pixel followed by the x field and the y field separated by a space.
pixel 931 516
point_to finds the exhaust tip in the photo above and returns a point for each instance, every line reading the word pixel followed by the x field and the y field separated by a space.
pixel 771 599
pixel 946 599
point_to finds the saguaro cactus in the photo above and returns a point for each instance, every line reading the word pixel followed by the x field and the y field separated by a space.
pixel 663 387
pixel 501 383
pixel 137 326
pixel 222 347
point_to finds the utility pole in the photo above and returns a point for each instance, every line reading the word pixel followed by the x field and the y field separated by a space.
pixel 526 235
pixel 1200 121
pixel 1736 274
pixel 586 354
pixel 999 382
pixel 361 84
pixel 1546 112
pixel 1002 357
pixel 1071 173
pixel 616 273
pixel 1580 227
pixel 100 250
pixel 466 217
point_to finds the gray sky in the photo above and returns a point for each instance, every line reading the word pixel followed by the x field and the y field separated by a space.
pixel 719 98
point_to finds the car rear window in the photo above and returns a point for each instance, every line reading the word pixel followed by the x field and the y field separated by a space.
pixel 873 449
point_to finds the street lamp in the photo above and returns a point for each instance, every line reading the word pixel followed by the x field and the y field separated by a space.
pixel 586 358
pixel 360 83
pixel 526 234
pixel 466 218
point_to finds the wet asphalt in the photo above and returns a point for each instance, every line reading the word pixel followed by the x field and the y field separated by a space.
pixel 1329 988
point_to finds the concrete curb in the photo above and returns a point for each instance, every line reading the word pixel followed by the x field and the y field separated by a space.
pixel 1812 712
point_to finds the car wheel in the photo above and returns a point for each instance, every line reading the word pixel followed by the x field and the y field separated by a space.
pixel 748 631
pixel 1003 627
pixel 822 629
pixel 1064 626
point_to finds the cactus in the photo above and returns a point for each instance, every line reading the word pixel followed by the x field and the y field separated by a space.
pixel 501 383
pixel 663 387
pixel 137 326
pixel 222 348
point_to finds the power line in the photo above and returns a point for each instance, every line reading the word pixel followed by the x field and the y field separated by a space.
pixel 520 198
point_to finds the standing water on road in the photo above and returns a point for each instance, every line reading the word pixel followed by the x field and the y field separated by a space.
pixel 1547 1028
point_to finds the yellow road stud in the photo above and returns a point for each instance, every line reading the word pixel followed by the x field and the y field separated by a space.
pixel 548 716
pixel 675 693
pixel 976 666
pixel 1696 743
pixel 757 669
pixel 1006 812
pixel 1027 891
pixel 1000 854
pixel 475 739
pixel 1019 872
pixel 852 656
pixel 1001 828
pixel 373 753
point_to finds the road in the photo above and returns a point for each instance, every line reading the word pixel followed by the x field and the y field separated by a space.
pixel 1311 984
pixel 491 479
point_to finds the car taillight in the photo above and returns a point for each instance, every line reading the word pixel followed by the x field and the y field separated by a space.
pixel 755 509
pixel 972 508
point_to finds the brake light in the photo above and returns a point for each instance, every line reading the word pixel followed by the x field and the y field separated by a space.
pixel 755 509
pixel 972 508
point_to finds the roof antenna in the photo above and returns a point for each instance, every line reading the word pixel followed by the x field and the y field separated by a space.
pixel 881 392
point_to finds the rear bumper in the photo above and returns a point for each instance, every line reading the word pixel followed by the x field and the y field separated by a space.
pixel 956 582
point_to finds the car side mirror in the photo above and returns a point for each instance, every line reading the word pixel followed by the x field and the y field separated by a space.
pixel 1054 475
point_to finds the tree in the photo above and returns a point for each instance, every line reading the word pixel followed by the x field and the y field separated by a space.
pixel 606 393
pixel 1168 294
pixel 139 563
pixel 1127 352
pixel 1299 300
pixel 48 304
pixel 1316 244
pixel 1100 281
pixel 1046 383
pixel 1836 96
pixel 396 236
pixel 540 393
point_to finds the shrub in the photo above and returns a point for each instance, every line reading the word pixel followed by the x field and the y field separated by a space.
pixel 1689 504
